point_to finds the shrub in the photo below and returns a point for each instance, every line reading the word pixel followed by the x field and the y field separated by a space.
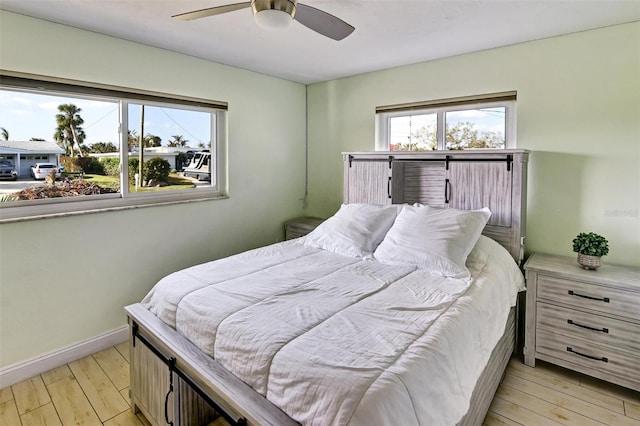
pixel 111 166
pixel 82 165
pixel 70 164
pixel 85 165
pixel 182 160
pixel 133 168
pixel 156 169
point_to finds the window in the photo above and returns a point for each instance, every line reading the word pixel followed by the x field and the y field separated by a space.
pixel 475 122
pixel 111 147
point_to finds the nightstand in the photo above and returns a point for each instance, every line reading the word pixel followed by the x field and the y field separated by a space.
pixel 300 226
pixel 587 321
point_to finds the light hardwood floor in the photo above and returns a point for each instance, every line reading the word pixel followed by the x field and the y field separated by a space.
pixel 94 391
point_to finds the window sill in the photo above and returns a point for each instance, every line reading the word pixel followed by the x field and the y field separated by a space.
pixel 41 209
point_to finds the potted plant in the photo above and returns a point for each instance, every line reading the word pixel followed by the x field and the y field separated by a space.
pixel 590 247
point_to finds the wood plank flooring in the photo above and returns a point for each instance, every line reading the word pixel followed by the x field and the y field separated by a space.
pixel 551 395
pixel 95 391
pixel 90 391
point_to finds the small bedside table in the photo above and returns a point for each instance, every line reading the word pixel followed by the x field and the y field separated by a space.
pixel 300 226
pixel 587 321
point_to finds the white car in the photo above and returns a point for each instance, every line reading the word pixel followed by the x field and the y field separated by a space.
pixel 42 170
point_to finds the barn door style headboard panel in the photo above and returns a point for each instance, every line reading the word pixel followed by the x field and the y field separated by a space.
pixel 465 180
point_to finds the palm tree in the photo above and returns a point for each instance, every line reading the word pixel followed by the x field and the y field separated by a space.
pixel 4 134
pixel 178 141
pixel 152 140
pixel 102 147
pixel 69 134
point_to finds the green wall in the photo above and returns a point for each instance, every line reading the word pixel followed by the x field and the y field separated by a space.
pixel 66 280
pixel 578 112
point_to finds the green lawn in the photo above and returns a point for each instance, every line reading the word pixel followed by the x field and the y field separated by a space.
pixel 175 182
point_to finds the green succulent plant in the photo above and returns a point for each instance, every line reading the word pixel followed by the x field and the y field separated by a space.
pixel 591 244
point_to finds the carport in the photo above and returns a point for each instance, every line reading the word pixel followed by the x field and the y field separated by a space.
pixel 25 154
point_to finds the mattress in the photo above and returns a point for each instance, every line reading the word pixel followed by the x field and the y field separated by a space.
pixel 332 339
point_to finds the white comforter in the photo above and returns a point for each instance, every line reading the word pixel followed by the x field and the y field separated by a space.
pixel 335 340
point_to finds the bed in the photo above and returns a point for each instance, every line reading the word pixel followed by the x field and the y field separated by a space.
pixel 363 321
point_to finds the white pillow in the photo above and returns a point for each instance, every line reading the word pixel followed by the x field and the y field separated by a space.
pixel 435 239
pixel 354 231
pixel 491 258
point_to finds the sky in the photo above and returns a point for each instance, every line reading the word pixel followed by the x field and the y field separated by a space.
pixel 27 115
pixel 484 120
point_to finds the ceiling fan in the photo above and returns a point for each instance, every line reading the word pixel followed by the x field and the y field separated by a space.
pixel 279 13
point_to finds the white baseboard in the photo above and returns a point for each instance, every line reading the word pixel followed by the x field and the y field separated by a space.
pixel 24 370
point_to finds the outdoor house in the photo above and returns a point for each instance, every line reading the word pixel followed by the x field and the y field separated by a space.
pixel 25 154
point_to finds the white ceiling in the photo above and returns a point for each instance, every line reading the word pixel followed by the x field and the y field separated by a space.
pixel 388 33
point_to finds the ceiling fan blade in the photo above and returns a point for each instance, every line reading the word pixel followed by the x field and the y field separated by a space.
pixel 203 13
pixel 322 22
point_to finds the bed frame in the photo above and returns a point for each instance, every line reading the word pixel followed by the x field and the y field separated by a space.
pixel 173 382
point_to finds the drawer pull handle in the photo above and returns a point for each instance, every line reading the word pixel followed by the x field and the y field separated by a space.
pixel 604 299
pixel 172 366
pixel 603 330
pixel 603 359
pixel 447 190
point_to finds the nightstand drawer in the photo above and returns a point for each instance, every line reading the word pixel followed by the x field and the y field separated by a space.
pixel 596 328
pixel 589 296
pixel 588 354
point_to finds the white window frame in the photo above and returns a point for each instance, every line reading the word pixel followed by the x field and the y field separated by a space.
pixel 440 108
pixel 54 207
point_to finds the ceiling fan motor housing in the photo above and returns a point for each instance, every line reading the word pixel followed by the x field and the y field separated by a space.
pixel 287 6
pixel 278 14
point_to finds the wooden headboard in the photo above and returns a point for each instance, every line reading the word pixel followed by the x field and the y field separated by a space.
pixel 465 180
